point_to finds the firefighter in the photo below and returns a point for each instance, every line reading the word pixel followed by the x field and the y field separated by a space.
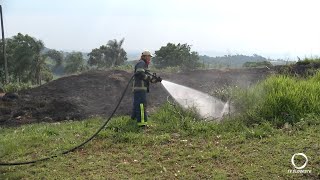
pixel 142 79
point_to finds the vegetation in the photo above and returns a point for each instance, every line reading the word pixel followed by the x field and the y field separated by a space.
pixel 309 61
pixel 278 117
pixel 26 63
pixel 280 99
pixel 257 64
pixel 109 55
pixel 173 55
pixel 74 63
pixel 234 61
pixel 175 146
pixel 15 87
pixel 30 62
pixel 58 58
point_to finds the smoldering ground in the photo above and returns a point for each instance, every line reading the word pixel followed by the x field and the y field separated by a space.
pixel 95 93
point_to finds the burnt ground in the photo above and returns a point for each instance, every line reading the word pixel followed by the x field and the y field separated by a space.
pixel 96 93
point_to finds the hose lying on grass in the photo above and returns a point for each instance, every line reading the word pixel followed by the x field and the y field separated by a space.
pixel 78 146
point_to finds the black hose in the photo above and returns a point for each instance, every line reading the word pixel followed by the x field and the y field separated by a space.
pixel 78 146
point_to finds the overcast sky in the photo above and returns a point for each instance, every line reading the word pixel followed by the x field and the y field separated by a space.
pixel 274 28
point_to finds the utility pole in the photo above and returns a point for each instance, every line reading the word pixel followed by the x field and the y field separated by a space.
pixel 4 48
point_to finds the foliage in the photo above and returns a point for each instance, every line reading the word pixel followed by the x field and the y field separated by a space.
pixel 173 55
pixel 309 61
pixel 231 60
pixel 109 55
pixel 16 87
pixel 257 64
pixel 55 55
pixel 279 99
pixel 47 74
pixel 75 63
pixel 39 64
pixel 25 60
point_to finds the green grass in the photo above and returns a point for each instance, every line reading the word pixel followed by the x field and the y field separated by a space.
pixel 280 99
pixel 175 146
pixel 276 119
pixel 311 60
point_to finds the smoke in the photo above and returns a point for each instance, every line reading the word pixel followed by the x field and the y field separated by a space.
pixel 207 106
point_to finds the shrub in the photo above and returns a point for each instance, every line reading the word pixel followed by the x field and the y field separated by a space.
pixel 15 87
pixel 308 61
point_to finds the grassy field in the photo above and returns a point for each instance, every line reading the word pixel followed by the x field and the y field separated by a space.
pixel 171 148
pixel 252 145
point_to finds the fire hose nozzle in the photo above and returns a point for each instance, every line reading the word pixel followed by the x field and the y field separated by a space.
pixel 154 76
pixel 158 78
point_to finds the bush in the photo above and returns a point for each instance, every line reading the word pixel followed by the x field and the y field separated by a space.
pixel 279 99
pixel 15 87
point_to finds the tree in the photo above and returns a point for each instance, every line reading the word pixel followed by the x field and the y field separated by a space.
pixel 232 60
pixel 96 58
pixel 26 62
pixel 58 59
pixel 46 74
pixel 57 56
pixel 74 63
pixel 109 55
pixel 38 63
pixel 20 56
pixel 116 54
pixel 176 55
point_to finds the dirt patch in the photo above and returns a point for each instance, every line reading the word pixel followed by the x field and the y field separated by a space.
pixel 96 93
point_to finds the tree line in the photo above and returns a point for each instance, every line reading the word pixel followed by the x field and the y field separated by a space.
pixel 231 61
pixel 29 61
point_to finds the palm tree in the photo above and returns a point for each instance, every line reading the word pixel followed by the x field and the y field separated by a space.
pixel 116 53
pixel 109 55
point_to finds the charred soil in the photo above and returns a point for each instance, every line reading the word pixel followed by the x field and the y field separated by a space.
pixel 96 93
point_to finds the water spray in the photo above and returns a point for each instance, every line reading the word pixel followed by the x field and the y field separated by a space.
pixel 207 106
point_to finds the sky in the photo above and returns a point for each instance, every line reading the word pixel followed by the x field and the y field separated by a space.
pixel 272 28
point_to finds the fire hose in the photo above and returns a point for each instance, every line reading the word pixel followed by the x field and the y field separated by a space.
pixel 79 145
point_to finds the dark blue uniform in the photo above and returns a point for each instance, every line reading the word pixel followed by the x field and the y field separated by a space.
pixel 140 88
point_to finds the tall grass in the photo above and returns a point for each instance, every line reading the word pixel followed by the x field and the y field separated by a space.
pixel 307 61
pixel 279 99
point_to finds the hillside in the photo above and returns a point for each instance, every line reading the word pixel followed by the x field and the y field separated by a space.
pixel 95 93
